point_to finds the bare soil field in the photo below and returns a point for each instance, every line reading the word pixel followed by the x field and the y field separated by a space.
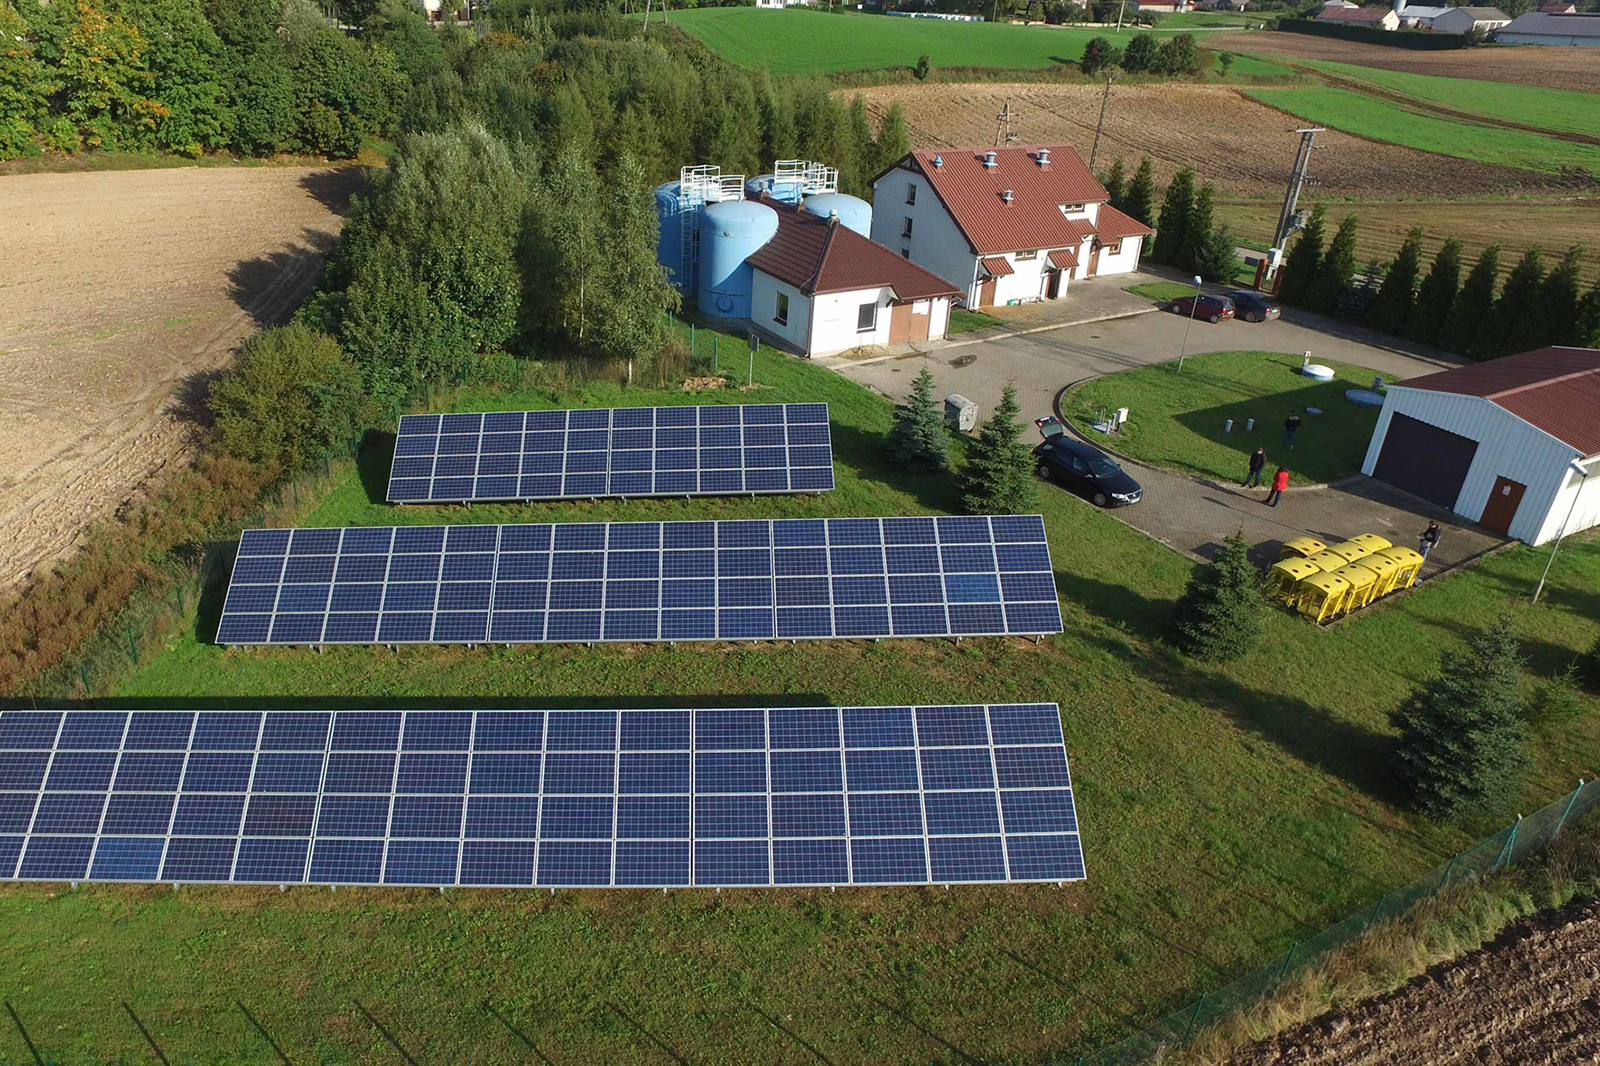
pixel 1554 68
pixel 1530 998
pixel 121 294
pixel 1242 146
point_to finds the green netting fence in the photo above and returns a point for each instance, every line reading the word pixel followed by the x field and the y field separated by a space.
pixel 1524 837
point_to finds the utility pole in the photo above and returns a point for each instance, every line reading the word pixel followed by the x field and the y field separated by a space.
pixel 1003 133
pixel 1104 100
pixel 1291 199
pixel 1120 9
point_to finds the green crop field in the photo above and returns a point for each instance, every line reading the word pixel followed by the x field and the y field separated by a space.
pixel 795 41
pixel 1563 110
pixel 1380 120
pixel 1226 812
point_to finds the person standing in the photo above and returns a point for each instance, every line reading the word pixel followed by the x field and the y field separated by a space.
pixel 1280 481
pixel 1258 462
pixel 1291 426
pixel 1428 538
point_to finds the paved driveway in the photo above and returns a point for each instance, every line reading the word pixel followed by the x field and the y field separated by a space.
pixel 1187 513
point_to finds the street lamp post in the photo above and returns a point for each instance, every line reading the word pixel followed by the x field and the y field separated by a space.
pixel 1193 306
pixel 1583 479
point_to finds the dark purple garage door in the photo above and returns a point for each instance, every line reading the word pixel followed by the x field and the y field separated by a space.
pixel 1424 460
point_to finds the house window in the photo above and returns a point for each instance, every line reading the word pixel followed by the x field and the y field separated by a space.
pixel 905 230
pixel 1030 254
pixel 782 317
pixel 911 194
pixel 905 253
pixel 867 317
pixel 1071 209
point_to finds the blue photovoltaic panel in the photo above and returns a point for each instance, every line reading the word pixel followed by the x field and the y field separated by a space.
pixel 647 798
pixel 788 579
pixel 714 450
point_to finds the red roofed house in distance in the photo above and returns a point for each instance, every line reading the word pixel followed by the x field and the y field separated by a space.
pixel 1004 225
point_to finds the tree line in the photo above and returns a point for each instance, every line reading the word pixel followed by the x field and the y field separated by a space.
pixel 1187 234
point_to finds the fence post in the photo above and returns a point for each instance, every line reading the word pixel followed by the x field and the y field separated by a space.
pixel 1505 852
pixel 1445 880
pixel 1570 801
pixel 716 339
pixel 133 645
pixel 83 672
pixel 1374 915
pixel 1287 961
pixel 179 590
pixel 1189 1032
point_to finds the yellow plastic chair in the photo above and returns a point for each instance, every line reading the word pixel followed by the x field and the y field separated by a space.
pixel 1363 585
pixel 1386 569
pixel 1372 542
pixel 1301 548
pixel 1352 550
pixel 1286 575
pixel 1409 562
pixel 1328 561
pixel 1321 596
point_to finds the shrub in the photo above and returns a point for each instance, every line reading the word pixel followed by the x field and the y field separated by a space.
pixel 1218 617
pixel 1462 749
pixel 1140 55
pixel 291 399
pixel 1098 54
pixel 1589 666
pixel 917 439
pixel 1558 699
pixel 997 477
pixel 920 71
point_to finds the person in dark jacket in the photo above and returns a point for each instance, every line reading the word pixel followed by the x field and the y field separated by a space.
pixel 1280 481
pixel 1428 538
pixel 1258 462
pixel 1291 426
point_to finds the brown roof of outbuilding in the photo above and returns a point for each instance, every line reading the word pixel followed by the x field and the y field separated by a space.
pixel 1112 225
pixel 1032 218
pixel 1554 389
pixel 1064 258
pixel 821 255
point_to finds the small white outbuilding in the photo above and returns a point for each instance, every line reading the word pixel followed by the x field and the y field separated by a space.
pixel 1512 444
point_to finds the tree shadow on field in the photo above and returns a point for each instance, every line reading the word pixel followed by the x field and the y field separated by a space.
pixel 190 403
pixel 508 702
pixel 269 287
pixel 374 460
pixel 863 451
pixel 333 187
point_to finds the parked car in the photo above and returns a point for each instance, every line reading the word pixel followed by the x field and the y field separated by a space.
pixel 1211 308
pixel 1087 471
pixel 1252 306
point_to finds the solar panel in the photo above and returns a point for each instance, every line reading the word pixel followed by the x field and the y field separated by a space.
pixel 714 450
pixel 524 798
pixel 786 579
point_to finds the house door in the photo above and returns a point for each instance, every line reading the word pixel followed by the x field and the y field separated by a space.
pixel 986 293
pixel 1094 260
pixel 1502 506
pixel 1053 291
pixel 921 320
pixel 899 323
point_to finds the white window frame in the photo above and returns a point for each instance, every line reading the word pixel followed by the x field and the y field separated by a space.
pixel 871 327
pixel 781 311
pixel 1032 253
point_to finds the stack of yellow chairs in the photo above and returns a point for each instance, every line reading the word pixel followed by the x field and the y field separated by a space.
pixel 1322 596
pixel 1408 562
pixel 1284 578
pixel 1301 548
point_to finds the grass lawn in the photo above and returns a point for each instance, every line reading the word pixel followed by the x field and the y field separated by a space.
pixel 1247 65
pixel 1160 291
pixel 965 321
pixel 797 41
pixel 1226 812
pixel 1380 120
pixel 1175 420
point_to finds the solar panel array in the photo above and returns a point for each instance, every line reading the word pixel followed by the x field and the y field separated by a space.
pixel 643 581
pixel 628 451
pixel 648 798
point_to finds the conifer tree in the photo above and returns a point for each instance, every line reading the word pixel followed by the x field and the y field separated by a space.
pixel 1560 299
pixel 1217 258
pixel 1173 226
pixel 1336 270
pixel 1198 229
pixel 1397 296
pixel 1472 304
pixel 917 439
pixel 1116 182
pixel 1436 295
pixel 1462 749
pixel 1140 202
pixel 997 477
pixel 894 141
pixel 1589 319
pixel 1300 265
pixel 1218 616
pixel 1515 314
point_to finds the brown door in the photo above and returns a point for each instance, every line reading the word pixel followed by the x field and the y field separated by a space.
pixel 921 322
pixel 1502 506
pixel 986 293
pixel 1094 260
pixel 1053 289
pixel 899 323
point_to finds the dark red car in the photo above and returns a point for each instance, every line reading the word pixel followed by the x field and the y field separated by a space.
pixel 1210 308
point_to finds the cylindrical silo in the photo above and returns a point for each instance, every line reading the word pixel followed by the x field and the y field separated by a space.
pixel 730 232
pixel 669 246
pixel 852 211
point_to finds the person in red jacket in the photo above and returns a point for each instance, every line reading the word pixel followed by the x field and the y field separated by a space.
pixel 1280 481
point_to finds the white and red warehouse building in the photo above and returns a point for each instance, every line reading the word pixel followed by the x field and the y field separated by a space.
pixel 1004 225
pixel 1512 444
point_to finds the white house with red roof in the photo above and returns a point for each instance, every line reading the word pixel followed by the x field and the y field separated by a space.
pixel 1004 225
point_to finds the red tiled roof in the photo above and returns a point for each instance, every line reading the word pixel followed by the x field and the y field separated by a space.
pixel 972 193
pixel 1555 389
pixel 819 255
pixel 1064 258
pixel 1352 14
pixel 996 266
pixel 1113 225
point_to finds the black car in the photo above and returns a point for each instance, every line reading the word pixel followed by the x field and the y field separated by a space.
pixel 1087 471
pixel 1252 306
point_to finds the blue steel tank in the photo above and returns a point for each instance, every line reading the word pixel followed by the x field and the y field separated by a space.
pixel 761 183
pixel 669 246
pixel 730 232
pixel 852 211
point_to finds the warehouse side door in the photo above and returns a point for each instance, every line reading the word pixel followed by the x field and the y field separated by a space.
pixel 1501 509
pixel 1424 460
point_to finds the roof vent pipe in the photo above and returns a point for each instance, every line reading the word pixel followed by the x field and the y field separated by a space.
pixel 938 160
pixel 1044 157
pixel 990 158
pixel 1006 196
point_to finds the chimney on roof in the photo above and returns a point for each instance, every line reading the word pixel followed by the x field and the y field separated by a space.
pixel 938 160
pixel 1006 196
pixel 991 158
pixel 1043 158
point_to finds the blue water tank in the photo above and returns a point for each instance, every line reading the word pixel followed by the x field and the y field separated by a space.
pixel 852 211
pixel 761 183
pixel 669 246
pixel 730 232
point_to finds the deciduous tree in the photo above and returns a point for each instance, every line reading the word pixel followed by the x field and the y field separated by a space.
pixel 24 86
pixel 631 307
pixel 290 399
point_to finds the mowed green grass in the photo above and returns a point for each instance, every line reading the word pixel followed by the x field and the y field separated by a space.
pixel 1176 420
pixel 1380 120
pixel 1226 812
pixel 1564 110
pixel 1160 291
pixel 796 41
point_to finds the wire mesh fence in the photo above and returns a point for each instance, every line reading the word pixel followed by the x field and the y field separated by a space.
pixel 1519 840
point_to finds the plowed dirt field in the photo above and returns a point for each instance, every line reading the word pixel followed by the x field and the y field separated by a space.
pixel 121 294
